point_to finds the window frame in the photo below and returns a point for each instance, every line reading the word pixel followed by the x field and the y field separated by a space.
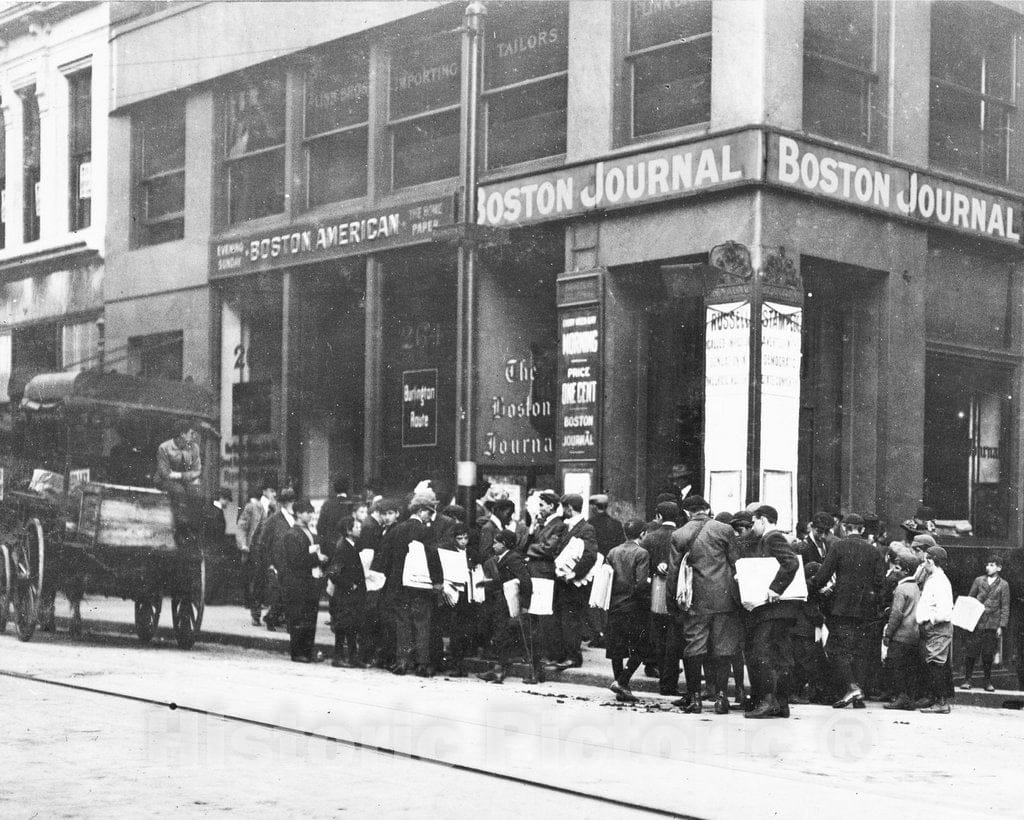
pixel 981 98
pixel 630 57
pixel 31 218
pixel 875 125
pixel 246 79
pixel 309 141
pixel 143 181
pixel 79 214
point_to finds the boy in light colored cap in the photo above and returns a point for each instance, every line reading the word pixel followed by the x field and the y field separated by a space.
pixel 935 616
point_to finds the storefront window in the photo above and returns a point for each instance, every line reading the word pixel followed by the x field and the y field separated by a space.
pixel 161 190
pixel 254 148
pixel 670 63
pixel 525 82
pixel 966 442
pixel 424 111
pixel 30 161
pixel 80 149
pixel 973 68
pixel 157 356
pixel 336 114
pixel 843 96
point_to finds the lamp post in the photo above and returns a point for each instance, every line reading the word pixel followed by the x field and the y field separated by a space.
pixel 472 41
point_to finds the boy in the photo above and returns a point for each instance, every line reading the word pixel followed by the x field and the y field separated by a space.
pixel 459 618
pixel 506 565
pixel 626 636
pixel 992 591
pixel 901 633
pixel 810 664
pixel 348 603
pixel 934 616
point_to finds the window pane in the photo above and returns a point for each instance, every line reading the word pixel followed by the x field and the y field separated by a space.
pixel 256 186
pixel 425 76
pixel 163 138
pixel 972 41
pixel 337 167
pixel 836 101
pixel 526 40
pixel 164 231
pixel 954 136
pixel 844 30
pixel 30 162
pixel 165 195
pixel 652 22
pixel 80 112
pixel 255 116
pixel 427 149
pixel 337 92
pixel 672 88
pixel 526 123
pixel 994 141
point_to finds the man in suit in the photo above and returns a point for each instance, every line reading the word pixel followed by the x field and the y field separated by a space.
pixel 271 543
pixel 712 626
pixel 859 573
pixel 300 563
pixel 498 521
pixel 572 594
pixel 250 526
pixel 663 657
pixel 769 652
pixel 819 539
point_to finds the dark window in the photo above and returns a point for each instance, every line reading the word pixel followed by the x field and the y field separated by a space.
pixel 967 442
pixel 36 349
pixel 254 147
pixel 161 191
pixel 525 73
pixel 157 356
pixel 843 96
pixel 424 110
pixel 973 72
pixel 3 182
pixel 670 64
pixel 30 161
pixel 80 149
pixel 337 111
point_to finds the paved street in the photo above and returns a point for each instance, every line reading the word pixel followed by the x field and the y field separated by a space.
pixel 116 751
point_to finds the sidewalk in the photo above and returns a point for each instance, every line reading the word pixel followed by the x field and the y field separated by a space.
pixel 231 626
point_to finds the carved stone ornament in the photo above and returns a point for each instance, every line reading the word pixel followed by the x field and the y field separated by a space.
pixel 733 260
pixel 779 270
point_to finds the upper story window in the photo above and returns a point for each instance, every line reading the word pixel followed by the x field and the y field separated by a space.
pixel 844 96
pixel 80 149
pixel 525 71
pixel 160 143
pixel 423 110
pixel 669 63
pixel 30 162
pixel 254 147
pixel 336 116
pixel 973 94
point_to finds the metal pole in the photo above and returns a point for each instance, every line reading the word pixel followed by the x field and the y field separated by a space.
pixel 472 35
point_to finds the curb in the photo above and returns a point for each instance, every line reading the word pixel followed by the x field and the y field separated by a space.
pixel 1000 699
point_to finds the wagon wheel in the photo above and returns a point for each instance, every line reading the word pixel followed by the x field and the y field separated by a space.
pixel 187 612
pixel 147 615
pixel 5 586
pixel 28 571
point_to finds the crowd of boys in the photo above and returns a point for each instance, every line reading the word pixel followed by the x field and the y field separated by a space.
pixel 416 588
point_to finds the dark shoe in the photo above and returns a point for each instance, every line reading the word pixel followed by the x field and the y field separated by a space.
pixel 783 708
pixel 903 703
pixel 530 679
pixel 271 627
pixel 486 676
pixel 940 707
pixel 652 672
pixel 989 687
pixel 682 703
pixel 721 704
pixel 767 708
pixel 540 674
pixel 747 704
pixel 399 669
pixel 457 672
pixel 623 693
pixel 341 663
pixel 924 703
pixel 695 707
pixel 256 621
pixel 859 704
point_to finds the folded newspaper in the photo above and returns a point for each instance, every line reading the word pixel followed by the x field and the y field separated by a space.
pixel 755 575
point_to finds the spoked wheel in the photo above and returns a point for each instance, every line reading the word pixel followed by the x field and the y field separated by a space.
pixel 187 611
pixel 28 563
pixel 5 586
pixel 147 615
